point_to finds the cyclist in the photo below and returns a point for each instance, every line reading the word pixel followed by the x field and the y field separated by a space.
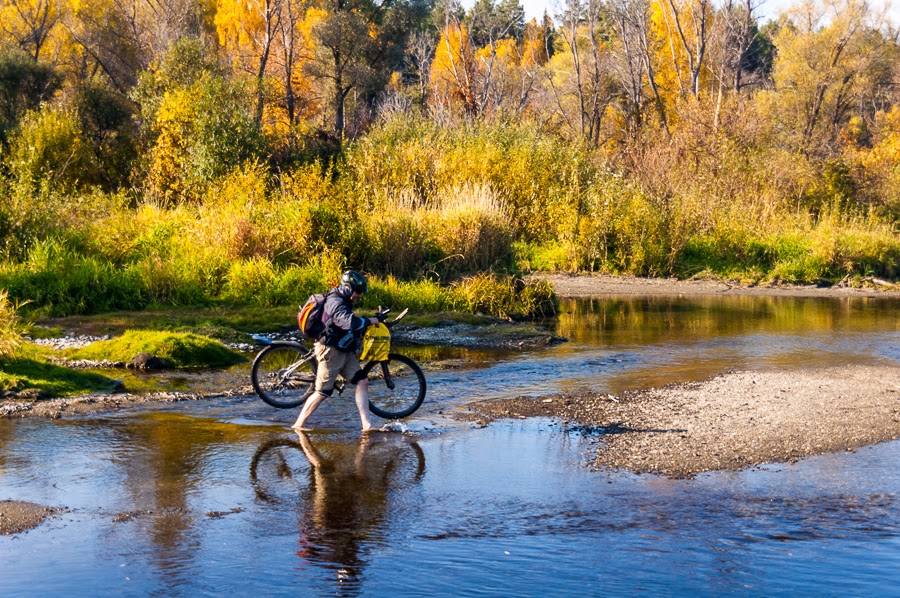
pixel 335 350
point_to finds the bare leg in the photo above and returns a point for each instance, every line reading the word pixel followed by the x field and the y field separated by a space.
pixel 311 404
pixel 362 404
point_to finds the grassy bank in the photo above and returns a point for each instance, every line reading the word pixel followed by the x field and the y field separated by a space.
pixel 442 218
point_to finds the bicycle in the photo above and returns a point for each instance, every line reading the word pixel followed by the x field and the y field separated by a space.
pixel 282 468
pixel 284 376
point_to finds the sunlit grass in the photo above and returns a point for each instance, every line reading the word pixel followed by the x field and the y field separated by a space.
pixel 181 349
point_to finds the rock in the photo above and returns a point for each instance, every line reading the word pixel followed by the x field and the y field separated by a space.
pixel 145 361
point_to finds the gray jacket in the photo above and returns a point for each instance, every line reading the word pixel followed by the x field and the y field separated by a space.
pixel 343 328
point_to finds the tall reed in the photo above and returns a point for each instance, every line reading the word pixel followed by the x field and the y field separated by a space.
pixel 9 333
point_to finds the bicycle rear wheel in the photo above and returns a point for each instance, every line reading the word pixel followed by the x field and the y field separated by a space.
pixel 284 375
pixel 396 387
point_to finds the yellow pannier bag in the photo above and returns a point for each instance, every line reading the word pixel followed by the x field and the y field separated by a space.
pixel 376 343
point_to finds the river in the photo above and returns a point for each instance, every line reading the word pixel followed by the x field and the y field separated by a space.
pixel 217 496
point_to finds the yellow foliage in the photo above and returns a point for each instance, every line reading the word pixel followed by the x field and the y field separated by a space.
pixel 453 67
pixel 678 25
pixel 168 158
pixel 35 26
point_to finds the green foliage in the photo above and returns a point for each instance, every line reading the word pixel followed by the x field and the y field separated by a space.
pixel 420 295
pixel 24 85
pixel 199 124
pixel 9 329
pixel 108 131
pixel 530 257
pixel 62 281
pixel 202 132
pixel 48 150
pixel 183 64
pixel 182 349
pixel 505 297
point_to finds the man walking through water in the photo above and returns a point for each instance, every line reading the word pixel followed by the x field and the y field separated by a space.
pixel 335 350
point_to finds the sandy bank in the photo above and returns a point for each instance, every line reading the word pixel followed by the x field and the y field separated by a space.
pixel 732 421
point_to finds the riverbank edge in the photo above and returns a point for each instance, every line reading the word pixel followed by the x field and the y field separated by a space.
pixel 572 286
pixel 733 421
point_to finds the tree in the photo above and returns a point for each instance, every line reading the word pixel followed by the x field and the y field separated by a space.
pixel 634 59
pixel 249 29
pixel 453 70
pixel 580 74
pixel 481 73
pixel 30 23
pixel 108 131
pixel 24 85
pixel 830 58
pixel 685 27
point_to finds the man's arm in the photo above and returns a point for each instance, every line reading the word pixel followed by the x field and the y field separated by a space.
pixel 344 318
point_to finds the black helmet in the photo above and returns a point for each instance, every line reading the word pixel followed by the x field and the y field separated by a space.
pixel 355 281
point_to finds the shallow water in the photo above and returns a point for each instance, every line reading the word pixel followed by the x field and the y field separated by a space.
pixel 212 496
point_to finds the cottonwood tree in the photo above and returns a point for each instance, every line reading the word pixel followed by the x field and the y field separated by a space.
pixel 249 29
pixel 634 60
pixel 478 75
pixel 581 74
pixel 685 31
pixel 30 23
pixel 829 58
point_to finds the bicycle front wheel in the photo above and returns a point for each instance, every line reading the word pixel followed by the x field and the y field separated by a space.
pixel 396 387
pixel 284 375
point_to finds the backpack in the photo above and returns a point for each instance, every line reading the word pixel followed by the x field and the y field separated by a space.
pixel 311 318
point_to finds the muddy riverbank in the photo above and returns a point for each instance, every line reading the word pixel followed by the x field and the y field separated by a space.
pixel 600 285
pixel 729 422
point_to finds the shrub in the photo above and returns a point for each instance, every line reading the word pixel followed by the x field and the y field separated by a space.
pixel 48 151
pixel 9 334
pixel 472 229
pixel 24 85
pixel 182 349
pixel 202 132
pixel 105 118
pixel 505 297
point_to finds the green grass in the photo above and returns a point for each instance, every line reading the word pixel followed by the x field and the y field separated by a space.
pixel 34 378
pixel 182 349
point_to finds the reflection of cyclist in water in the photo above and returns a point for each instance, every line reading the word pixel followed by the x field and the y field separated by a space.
pixel 342 509
pixel 344 493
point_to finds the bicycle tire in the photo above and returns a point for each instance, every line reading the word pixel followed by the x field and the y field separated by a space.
pixel 270 382
pixel 279 471
pixel 408 392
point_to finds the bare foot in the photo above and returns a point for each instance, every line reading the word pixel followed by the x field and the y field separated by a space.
pixel 300 427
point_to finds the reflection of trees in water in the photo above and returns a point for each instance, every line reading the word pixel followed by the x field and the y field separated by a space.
pixel 7 437
pixel 342 491
pixel 163 467
pixel 650 319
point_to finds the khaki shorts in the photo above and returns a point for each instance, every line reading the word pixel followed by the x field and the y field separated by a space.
pixel 333 363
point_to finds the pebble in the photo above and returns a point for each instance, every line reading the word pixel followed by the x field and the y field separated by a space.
pixel 83 340
pixel 68 342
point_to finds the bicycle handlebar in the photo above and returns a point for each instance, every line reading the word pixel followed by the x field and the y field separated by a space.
pixel 397 319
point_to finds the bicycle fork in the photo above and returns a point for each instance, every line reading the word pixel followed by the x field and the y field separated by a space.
pixel 388 380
